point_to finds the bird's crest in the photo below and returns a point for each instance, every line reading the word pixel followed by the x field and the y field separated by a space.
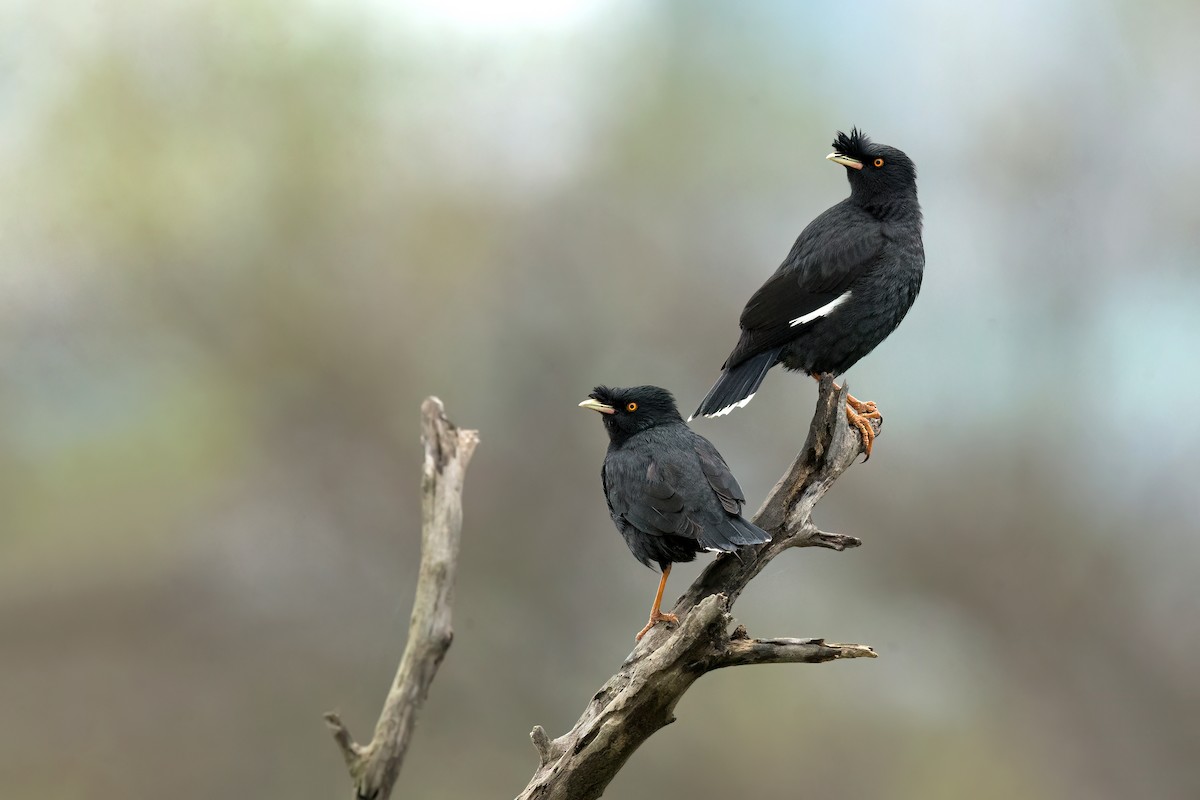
pixel 645 395
pixel 855 145
pixel 603 394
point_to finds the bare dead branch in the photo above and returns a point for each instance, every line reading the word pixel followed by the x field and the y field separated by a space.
pixel 640 698
pixel 742 652
pixel 373 767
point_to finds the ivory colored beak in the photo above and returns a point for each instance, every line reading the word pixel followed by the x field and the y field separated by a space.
pixel 596 405
pixel 845 161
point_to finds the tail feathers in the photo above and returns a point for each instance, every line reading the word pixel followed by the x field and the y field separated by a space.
pixel 748 532
pixel 735 532
pixel 737 385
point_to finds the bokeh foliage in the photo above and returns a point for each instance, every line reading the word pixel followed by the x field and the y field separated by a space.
pixel 242 240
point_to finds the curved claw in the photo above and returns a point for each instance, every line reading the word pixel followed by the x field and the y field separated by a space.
pixel 860 414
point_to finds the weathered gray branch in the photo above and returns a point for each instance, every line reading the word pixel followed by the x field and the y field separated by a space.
pixel 640 699
pixel 744 651
pixel 374 766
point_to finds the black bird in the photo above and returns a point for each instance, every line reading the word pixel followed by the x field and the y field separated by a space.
pixel 848 281
pixel 669 492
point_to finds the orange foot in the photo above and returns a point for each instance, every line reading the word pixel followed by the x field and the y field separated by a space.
pixel 656 617
pixel 860 415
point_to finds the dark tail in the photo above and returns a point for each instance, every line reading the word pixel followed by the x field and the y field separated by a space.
pixel 731 534
pixel 748 532
pixel 737 386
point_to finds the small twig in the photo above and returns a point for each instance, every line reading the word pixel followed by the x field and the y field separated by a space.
pixel 350 751
pixel 541 743
pixel 373 767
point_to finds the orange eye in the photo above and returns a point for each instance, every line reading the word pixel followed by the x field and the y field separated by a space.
pixel 631 407
pixel 878 162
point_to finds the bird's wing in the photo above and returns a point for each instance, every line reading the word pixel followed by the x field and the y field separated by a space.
pixel 716 471
pixel 685 491
pixel 643 491
pixel 829 255
pixel 607 494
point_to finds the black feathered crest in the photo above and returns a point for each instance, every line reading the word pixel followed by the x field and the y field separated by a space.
pixel 603 394
pixel 856 145
pixel 649 396
pixel 651 406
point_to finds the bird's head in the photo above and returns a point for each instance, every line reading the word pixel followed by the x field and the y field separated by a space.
pixel 628 411
pixel 876 171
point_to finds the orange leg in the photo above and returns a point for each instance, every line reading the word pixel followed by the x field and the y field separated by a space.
pixel 860 414
pixel 656 616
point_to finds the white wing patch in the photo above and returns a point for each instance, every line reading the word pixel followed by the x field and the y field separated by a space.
pixel 727 409
pixel 823 311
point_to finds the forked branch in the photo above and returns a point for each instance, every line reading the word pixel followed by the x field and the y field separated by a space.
pixel 640 699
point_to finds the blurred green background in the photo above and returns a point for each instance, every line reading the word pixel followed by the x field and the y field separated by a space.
pixel 241 241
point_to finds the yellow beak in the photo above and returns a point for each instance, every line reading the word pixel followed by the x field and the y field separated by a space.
pixel 596 405
pixel 845 161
